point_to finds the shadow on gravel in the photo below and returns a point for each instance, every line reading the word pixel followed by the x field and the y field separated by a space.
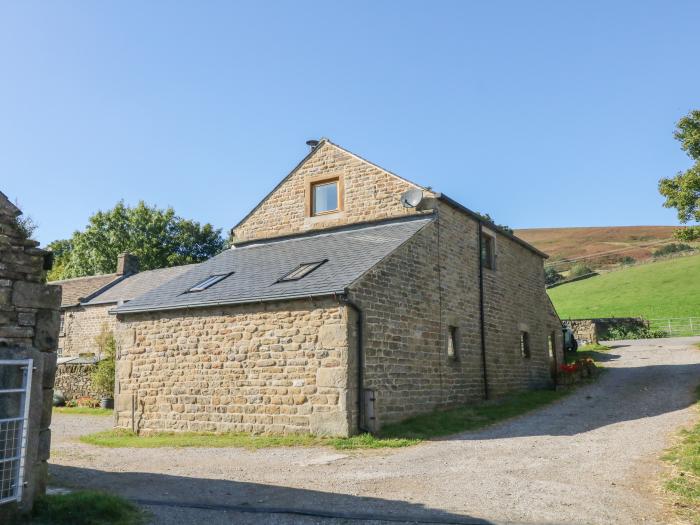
pixel 162 490
pixel 620 394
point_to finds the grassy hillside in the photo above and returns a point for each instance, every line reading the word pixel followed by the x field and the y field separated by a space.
pixel 638 242
pixel 669 288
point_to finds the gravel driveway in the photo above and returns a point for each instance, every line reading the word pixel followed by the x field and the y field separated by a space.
pixel 590 458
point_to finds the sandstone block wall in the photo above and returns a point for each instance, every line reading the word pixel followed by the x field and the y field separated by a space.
pixel 277 367
pixel 81 326
pixel 28 330
pixel 410 305
pixel 75 381
pixel 370 194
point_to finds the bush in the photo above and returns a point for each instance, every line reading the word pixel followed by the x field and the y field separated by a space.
pixel 551 276
pixel 672 248
pixel 628 260
pixel 579 270
pixel 103 376
pixel 638 332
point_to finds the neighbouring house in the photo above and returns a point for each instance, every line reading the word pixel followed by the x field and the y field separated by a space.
pixel 28 334
pixel 351 298
pixel 85 314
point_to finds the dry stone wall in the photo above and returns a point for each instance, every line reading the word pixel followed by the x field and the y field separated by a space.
pixel 29 322
pixel 277 367
pixel 370 194
pixel 75 381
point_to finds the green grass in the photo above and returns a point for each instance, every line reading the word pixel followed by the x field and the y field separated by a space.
pixel 685 483
pixel 592 351
pixel 84 411
pixel 409 432
pixel 86 507
pixel 668 288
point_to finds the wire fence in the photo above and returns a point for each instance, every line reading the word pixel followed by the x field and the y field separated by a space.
pixel 676 326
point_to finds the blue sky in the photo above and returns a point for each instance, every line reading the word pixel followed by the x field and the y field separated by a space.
pixel 542 114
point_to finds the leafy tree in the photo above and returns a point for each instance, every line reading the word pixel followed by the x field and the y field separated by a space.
pixel 551 276
pixel 61 252
pixel 682 192
pixel 158 237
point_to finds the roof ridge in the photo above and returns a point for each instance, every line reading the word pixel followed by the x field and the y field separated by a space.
pixel 70 279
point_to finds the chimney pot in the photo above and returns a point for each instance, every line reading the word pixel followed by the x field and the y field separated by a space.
pixel 127 264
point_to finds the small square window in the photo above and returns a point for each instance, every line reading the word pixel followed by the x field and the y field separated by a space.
pixel 324 197
pixel 452 342
pixel 525 345
pixel 301 271
pixel 208 282
pixel 488 251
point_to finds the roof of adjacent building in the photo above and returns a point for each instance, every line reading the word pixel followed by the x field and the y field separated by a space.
pixel 255 268
pixel 78 289
pixel 138 284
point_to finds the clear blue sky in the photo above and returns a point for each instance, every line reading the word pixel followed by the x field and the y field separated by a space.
pixel 539 113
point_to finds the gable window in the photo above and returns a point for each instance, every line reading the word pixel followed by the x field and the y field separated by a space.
pixel 208 282
pixel 301 271
pixel 324 197
pixel 488 251
pixel 525 345
pixel 452 342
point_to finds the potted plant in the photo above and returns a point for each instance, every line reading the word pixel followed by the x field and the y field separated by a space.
pixel 103 376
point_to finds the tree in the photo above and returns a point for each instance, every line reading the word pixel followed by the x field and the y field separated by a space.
pixel 682 192
pixel 158 237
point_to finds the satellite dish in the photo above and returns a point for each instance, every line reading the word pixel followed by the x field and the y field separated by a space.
pixel 411 198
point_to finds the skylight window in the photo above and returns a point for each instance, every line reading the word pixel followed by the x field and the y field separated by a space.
pixel 301 271
pixel 209 281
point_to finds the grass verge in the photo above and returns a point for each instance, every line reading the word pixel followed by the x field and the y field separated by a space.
pixel 592 351
pixel 86 507
pixel 84 411
pixel 409 432
pixel 684 485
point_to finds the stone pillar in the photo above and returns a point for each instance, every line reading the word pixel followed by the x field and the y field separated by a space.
pixel 29 324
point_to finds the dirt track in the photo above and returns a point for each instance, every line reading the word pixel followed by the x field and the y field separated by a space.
pixel 591 458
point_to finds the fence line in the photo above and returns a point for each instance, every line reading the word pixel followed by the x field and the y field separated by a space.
pixel 676 326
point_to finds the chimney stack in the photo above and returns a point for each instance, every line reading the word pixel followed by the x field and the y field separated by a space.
pixel 312 143
pixel 127 264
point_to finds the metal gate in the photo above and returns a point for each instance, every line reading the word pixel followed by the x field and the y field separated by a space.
pixel 15 388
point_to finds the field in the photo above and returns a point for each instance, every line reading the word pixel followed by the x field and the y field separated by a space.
pixel 664 289
pixel 638 242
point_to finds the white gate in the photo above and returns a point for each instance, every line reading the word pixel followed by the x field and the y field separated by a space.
pixel 15 388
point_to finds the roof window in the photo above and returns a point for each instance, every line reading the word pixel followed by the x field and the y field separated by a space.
pixel 208 282
pixel 301 271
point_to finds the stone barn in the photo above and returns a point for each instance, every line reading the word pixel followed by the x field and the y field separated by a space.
pixel 351 298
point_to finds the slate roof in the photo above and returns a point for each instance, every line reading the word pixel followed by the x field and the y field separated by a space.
pixel 350 252
pixel 138 284
pixel 74 290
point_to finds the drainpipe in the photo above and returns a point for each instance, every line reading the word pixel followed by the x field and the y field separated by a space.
pixel 481 311
pixel 360 361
